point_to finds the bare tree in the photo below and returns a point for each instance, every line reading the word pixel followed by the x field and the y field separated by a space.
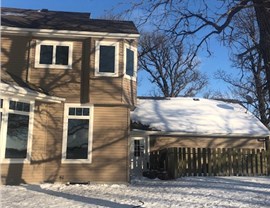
pixel 251 85
pixel 172 70
pixel 186 19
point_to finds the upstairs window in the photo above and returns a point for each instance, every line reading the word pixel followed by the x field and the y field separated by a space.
pixel 130 62
pixel 77 143
pixel 53 54
pixel 107 58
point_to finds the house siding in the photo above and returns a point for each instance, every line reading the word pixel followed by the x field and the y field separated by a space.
pixel 109 150
pixel 14 55
pixel 161 142
pixel 32 172
pixel 112 98
pixel 78 84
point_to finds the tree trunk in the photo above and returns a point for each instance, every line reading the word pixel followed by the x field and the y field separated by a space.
pixel 262 9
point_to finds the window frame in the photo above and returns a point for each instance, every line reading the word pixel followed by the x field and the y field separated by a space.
pixel 116 58
pixel 135 65
pixel 65 131
pixel 39 43
pixel 4 126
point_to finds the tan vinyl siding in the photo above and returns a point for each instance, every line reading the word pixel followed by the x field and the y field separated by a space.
pixel 18 57
pixel 14 55
pixel 106 90
pixel 203 142
pixel 129 92
pixel 60 82
pixel 109 150
pixel 32 172
pixel 111 90
pixel 111 97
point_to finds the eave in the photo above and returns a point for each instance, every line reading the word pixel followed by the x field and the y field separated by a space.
pixel 136 132
pixel 5 30
pixel 8 90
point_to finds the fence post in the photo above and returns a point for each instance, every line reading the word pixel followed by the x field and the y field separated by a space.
pixel 267 145
pixel 204 162
pixel 172 162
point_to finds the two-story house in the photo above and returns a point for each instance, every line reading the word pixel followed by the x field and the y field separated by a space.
pixel 68 83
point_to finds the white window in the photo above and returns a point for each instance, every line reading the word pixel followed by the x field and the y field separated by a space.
pixel 130 62
pixel 16 130
pixel 106 58
pixel 53 54
pixel 78 130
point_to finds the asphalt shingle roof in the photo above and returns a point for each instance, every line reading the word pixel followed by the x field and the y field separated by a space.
pixel 57 20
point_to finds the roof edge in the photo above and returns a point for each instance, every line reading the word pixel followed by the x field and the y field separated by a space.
pixel 164 133
pixel 14 90
pixel 63 33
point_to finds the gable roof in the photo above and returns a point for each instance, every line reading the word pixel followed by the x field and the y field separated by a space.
pixel 57 20
pixel 197 117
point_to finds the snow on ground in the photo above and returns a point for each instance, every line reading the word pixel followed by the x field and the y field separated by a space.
pixel 184 192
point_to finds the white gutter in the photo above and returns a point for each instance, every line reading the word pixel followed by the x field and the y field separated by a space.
pixel 16 91
pixel 162 133
pixel 64 33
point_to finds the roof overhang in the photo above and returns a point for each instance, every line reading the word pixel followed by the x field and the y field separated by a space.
pixel 63 33
pixel 196 134
pixel 20 92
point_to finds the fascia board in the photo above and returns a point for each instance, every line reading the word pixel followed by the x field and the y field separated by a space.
pixel 64 33
pixel 16 91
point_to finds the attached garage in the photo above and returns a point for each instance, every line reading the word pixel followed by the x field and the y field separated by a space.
pixel 195 123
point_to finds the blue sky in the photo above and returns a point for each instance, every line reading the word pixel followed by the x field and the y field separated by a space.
pixel 97 8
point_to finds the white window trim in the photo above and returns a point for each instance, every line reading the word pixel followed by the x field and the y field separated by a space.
pixel 4 124
pixel 65 131
pixel 134 49
pixel 116 58
pixel 54 44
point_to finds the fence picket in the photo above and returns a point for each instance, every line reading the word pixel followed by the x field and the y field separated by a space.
pixel 209 161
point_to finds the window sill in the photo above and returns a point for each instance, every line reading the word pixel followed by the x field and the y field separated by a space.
pixel 134 78
pixel 15 161
pixel 51 66
pixel 99 74
pixel 76 161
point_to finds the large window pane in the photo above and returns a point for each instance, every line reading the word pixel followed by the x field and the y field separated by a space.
pixel 77 141
pixel 17 136
pixel 46 54
pixel 107 59
pixel 62 55
pixel 130 62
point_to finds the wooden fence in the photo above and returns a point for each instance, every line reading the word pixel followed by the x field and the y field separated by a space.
pixel 180 162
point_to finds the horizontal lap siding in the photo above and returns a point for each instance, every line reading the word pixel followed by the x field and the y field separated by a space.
pixel 109 147
pixel 32 172
pixel 106 90
pixel 60 82
pixel 203 142
pixel 111 124
pixel 129 92
pixel 14 55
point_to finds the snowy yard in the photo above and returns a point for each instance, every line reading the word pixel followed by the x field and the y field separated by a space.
pixel 184 192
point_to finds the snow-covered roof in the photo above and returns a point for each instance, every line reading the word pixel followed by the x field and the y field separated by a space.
pixel 11 90
pixel 198 117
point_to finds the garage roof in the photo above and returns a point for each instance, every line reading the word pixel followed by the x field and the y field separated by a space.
pixel 198 117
